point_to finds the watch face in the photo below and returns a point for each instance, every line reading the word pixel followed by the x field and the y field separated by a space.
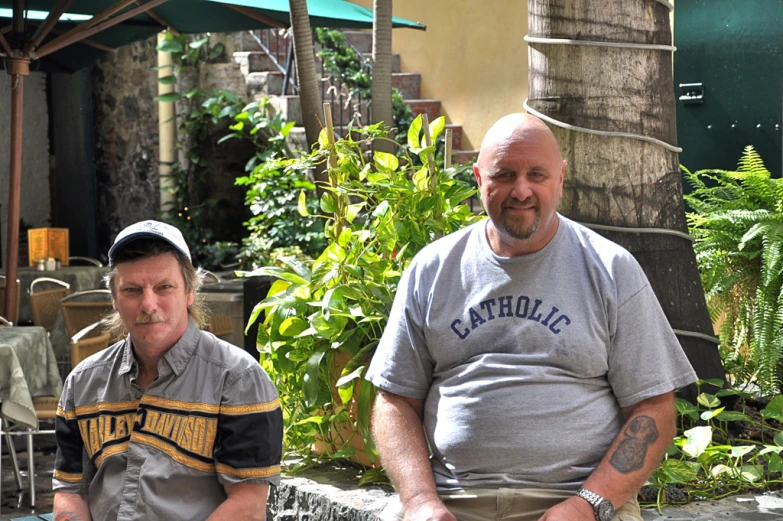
pixel 605 511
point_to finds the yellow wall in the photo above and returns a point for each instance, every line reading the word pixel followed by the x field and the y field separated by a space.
pixel 472 57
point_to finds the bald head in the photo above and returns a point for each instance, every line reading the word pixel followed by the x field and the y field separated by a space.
pixel 520 172
pixel 518 128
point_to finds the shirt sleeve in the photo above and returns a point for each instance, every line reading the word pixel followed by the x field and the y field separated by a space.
pixel 645 358
pixel 69 472
pixel 249 441
pixel 402 364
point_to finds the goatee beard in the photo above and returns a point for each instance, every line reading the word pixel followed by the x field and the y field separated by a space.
pixel 519 228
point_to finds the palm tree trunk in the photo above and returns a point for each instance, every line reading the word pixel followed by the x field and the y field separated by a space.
pixel 382 70
pixel 620 181
pixel 309 96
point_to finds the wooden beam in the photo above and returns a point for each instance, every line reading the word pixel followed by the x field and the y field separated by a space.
pixel 87 24
pixel 162 21
pixel 66 40
pixel 255 15
pixel 88 42
pixel 18 17
pixel 6 47
pixel 48 24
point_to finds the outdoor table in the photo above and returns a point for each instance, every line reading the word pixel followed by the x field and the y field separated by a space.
pixel 28 368
pixel 79 277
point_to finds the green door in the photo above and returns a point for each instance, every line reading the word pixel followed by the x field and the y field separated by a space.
pixel 728 80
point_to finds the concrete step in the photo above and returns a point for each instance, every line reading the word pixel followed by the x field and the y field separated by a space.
pixel 408 83
pixel 268 83
pixel 456 136
pixel 291 110
pixel 431 107
pixel 395 60
pixel 254 62
pixel 464 156
pixel 297 140
pixel 362 40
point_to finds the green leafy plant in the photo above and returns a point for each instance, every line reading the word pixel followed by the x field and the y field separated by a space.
pixel 719 450
pixel 737 221
pixel 323 321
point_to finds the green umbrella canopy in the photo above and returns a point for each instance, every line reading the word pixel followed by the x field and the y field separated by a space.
pixel 200 16
pixel 186 16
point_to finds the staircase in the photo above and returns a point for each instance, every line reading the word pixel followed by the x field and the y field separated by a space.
pixel 265 79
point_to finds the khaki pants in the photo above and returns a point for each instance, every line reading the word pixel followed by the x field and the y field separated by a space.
pixel 506 504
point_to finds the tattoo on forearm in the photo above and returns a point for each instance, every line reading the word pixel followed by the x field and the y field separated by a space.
pixel 68 516
pixel 631 452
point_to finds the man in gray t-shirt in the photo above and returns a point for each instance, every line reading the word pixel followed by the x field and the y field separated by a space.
pixel 529 353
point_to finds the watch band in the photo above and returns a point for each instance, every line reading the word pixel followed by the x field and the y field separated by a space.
pixel 590 496
pixel 602 507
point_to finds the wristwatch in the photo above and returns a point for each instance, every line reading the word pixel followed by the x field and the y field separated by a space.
pixel 604 510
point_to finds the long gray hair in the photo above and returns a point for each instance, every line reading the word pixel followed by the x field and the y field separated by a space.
pixel 144 249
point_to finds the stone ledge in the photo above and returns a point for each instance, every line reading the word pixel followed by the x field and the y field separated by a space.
pixel 327 493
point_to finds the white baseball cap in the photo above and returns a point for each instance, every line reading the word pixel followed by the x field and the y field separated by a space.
pixel 151 229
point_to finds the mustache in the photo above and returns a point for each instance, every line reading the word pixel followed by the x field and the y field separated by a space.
pixel 149 319
pixel 513 202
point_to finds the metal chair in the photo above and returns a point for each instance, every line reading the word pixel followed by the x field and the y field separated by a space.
pixel 45 303
pixel 2 297
pixel 87 342
pixel 83 308
pixel 218 325
pixel 85 260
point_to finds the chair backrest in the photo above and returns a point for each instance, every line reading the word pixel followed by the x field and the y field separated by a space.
pixel 207 277
pixel 2 296
pixel 45 303
pixel 83 308
pixel 88 341
pixel 218 325
pixel 85 260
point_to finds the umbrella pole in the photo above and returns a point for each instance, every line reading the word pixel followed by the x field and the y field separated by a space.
pixel 18 68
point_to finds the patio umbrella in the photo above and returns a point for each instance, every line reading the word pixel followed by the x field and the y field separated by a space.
pixel 50 43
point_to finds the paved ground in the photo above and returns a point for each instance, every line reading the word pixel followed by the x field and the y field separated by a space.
pixel 15 504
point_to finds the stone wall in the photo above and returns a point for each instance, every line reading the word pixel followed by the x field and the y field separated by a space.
pixel 126 138
pixel 35 203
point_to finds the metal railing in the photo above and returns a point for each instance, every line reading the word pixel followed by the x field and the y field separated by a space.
pixel 278 45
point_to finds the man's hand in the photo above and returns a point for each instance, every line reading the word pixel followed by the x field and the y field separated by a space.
pixel 427 509
pixel 71 507
pixel 572 509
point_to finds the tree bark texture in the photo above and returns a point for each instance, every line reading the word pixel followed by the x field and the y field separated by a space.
pixel 620 181
pixel 382 70
pixel 306 75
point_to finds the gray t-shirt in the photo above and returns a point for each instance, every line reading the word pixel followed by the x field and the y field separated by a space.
pixel 525 362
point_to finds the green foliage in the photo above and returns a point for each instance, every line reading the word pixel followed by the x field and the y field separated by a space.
pixel 193 210
pixel 737 220
pixel 323 321
pixel 341 59
pixel 273 198
pixel 708 461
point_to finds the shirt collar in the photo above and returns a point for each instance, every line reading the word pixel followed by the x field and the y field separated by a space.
pixel 177 357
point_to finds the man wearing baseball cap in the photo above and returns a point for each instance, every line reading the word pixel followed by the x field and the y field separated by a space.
pixel 171 422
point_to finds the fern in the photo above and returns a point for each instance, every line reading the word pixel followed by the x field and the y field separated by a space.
pixel 737 221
